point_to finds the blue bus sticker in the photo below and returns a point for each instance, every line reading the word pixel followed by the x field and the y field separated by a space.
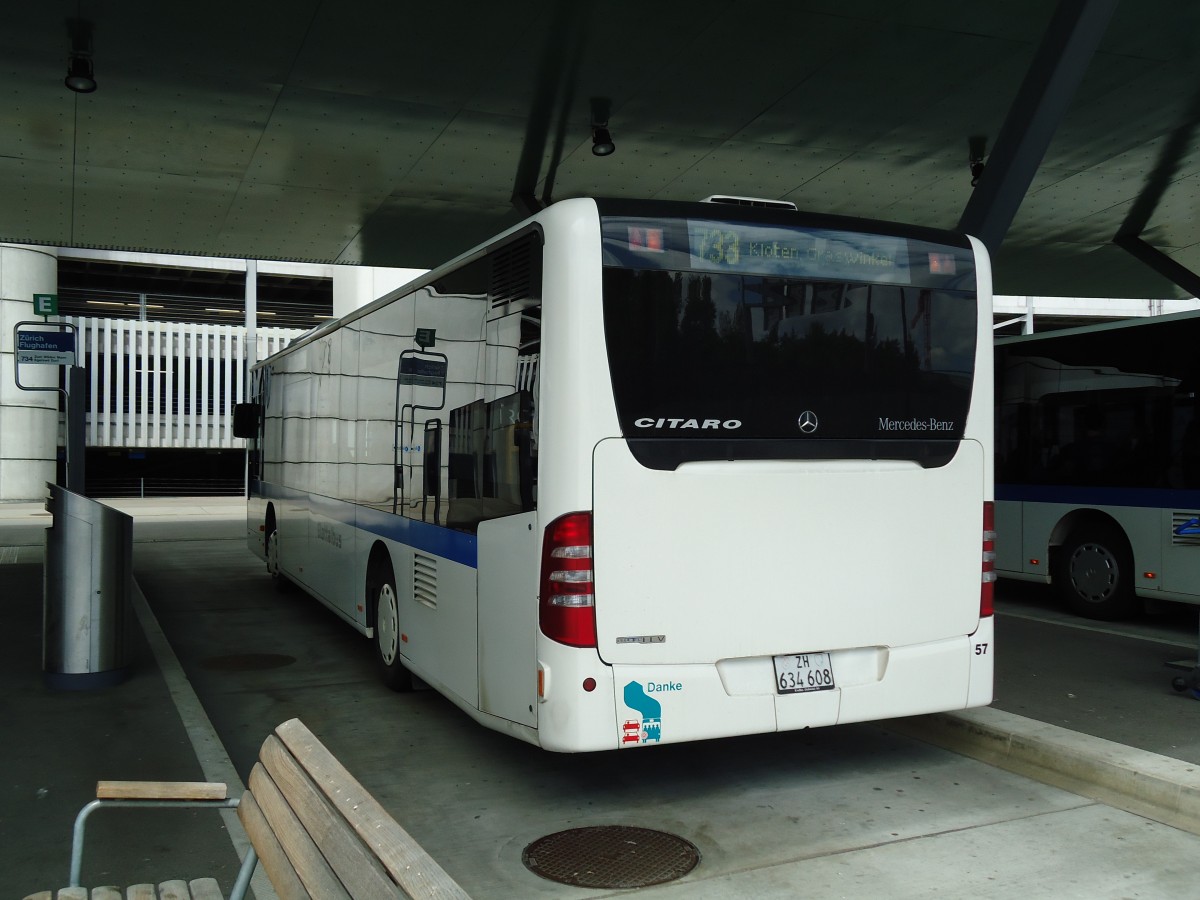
pixel 649 728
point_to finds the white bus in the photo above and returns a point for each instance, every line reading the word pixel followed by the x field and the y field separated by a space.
pixel 638 473
pixel 1098 462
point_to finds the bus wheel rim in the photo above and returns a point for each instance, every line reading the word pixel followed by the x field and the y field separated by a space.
pixel 1093 572
pixel 387 624
pixel 273 553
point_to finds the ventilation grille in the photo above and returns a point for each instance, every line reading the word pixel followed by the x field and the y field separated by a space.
pixel 514 275
pixel 1185 529
pixel 425 580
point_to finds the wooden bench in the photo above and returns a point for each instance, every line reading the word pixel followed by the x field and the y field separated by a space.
pixel 313 828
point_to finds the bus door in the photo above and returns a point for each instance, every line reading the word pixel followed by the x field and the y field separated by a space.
pixel 328 563
pixel 1181 520
pixel 509 537
pixel 291 511
pixel 434 567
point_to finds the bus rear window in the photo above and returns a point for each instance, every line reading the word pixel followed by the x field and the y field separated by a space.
pixel 719 364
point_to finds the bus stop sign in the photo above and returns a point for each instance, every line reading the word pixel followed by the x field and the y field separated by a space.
pixel 45 304
pixel 423 372
pixel 45 348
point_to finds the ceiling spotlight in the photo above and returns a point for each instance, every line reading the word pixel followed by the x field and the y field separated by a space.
pixel 80 76
pixel 976 151
pixel 602 142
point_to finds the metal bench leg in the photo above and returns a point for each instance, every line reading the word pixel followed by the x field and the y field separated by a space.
pixel 77 842
pixel 81 823
pixel 244 875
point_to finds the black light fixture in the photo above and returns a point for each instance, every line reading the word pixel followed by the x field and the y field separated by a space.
pixel 976 151
pixel 81 78
pixel 602 142
pixel 80 75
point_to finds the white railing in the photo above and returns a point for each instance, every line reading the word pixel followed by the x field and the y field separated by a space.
pixel 527 371
pixel 1026 309
pixel 166 384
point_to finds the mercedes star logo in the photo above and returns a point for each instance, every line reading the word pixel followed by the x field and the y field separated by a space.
pixel 808 421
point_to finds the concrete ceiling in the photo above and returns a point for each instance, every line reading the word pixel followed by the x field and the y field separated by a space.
pixel 397 133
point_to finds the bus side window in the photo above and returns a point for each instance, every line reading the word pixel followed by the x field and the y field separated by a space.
pixel 523 438
pixel 433 473
pixel 492 469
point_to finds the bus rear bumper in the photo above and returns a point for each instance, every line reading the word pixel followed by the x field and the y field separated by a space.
pixel 668 704
pixel 590 706
pixel 927 678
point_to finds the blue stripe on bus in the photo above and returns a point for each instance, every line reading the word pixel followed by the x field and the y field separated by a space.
pixel 436 540
pixel 1152 498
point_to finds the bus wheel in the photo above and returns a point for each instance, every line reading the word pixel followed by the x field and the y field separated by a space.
pixel 278 579
pixel 387 629
pixel 1095 573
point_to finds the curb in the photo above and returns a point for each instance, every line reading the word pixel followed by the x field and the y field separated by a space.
pixel 1137 781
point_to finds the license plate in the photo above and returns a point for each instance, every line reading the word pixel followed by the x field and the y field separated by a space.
pixel 799 673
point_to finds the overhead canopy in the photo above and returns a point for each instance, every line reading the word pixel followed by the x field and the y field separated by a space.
pixel 400 133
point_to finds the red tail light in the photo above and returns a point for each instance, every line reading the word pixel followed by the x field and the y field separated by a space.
pixel 987 590
pixel 567 604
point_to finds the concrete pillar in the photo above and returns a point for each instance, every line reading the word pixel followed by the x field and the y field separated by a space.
pixel 356 286
pixel 28 419
pixel 251 318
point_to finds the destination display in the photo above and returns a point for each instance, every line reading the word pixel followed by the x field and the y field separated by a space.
pixel 781 251
pixel 819 254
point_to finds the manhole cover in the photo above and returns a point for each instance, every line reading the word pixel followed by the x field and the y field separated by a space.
pixel 611 856
pixel 248 662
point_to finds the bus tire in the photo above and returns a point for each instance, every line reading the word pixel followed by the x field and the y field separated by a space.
pixel 385 607
pixel 278 579
pixel 1094 573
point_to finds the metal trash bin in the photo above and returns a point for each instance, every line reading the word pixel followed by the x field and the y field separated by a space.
pixel 88 590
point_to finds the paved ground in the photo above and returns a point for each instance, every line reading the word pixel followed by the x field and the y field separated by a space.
pixel 842 812
pixel 1107 680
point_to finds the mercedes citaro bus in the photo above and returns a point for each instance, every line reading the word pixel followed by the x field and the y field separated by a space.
pixel 644 472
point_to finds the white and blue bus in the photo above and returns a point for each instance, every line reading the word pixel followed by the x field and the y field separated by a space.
pixel 1098 462
pixel 644 472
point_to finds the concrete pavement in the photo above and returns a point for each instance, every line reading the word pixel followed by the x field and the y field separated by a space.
pixel 764 829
